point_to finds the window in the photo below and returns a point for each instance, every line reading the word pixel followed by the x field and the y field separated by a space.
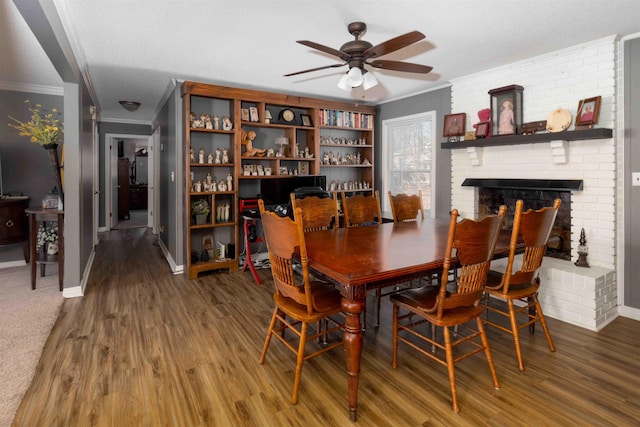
pixel 407 158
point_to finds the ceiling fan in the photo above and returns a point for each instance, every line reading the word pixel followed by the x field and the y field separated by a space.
pixel 358 52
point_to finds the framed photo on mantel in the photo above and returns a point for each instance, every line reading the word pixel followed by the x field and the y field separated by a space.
pixel 506 110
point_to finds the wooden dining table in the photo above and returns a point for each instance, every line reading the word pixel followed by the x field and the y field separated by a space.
pixel 360 258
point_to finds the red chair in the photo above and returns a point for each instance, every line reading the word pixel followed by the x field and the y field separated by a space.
pixel 247 207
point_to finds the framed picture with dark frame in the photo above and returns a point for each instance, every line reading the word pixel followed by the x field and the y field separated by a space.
pixel 454 126
pixel 303 168
pixel 283 171
pixel 306 120
pixel 482 130
pixel 588 111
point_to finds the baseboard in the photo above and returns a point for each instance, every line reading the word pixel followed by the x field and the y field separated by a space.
pixel 176 269
pixel 9 264
pixel 630 312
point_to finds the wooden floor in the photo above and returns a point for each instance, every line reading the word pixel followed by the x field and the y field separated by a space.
pixel 146 348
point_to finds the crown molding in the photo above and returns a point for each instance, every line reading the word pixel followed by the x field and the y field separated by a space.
pixel 32 88
pixel 126 121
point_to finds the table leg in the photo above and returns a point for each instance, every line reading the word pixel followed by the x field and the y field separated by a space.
pixel 353 350
pixel 32 240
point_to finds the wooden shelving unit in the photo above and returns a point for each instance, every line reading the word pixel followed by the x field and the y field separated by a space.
pixel 249 110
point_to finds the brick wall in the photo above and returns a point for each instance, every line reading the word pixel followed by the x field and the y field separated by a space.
pixel 556 80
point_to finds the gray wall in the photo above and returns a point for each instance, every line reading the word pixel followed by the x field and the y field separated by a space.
pixel 171 191
pixel 632 164
pixel 440 102
pixel 25 165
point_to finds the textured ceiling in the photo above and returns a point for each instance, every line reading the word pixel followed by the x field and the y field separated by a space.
pixel 132 50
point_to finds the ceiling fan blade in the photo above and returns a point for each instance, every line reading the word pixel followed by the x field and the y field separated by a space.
pixel 325 49
pixel 400 66
pixel 315 69
pixel 393 44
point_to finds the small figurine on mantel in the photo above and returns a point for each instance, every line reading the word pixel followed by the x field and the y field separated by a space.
pixel 583 250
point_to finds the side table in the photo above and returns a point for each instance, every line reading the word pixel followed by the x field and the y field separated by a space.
pixel 37 215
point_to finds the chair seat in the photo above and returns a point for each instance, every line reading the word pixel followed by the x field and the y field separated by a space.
pixel 326 302
pixel 516 290
pixel 424 299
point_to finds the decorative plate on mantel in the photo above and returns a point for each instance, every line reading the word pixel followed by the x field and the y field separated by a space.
pixel 559 120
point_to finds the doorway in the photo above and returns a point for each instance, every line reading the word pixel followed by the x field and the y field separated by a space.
pixel 129 177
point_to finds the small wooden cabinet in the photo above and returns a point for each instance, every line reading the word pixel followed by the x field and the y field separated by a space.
pixel 138 197
pixel 14 227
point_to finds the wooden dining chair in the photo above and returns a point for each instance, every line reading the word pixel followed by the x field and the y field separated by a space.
pixel 318 213
pixel 406 207
pixel 448 306
pixel 532 227
pixel 296 296
pixel 361 210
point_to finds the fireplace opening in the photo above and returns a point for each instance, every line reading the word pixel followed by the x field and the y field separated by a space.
pixel 535 194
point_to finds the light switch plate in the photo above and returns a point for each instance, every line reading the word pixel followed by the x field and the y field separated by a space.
pixel 635 179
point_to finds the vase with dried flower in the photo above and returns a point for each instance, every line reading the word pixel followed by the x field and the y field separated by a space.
pixel 44 129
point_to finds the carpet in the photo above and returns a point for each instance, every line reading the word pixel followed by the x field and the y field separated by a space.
pixel 26 319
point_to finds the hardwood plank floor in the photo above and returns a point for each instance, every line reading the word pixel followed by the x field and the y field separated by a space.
pixel 144 347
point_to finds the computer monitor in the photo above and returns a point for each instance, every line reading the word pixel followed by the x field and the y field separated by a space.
pixel 276 191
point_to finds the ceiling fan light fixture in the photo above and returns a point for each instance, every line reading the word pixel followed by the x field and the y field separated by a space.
pixel 369 81
pixel 354 77
pixel 342 83
pixel 130 106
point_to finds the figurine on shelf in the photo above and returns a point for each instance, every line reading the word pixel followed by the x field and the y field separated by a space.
pixel 214 186
pixel 270 152
pixel 247 140
pixel 226 123
pixel 222 185
pixel 216 122
pixel 192 155
pixel 225 155
pixel 218 155
pixel 201 155
pixel 192 118
pixel 207 122
pixel 210 158
pixel 197 187
pixel 229 182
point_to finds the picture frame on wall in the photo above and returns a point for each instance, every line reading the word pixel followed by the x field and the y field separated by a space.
pixel 588 111
pixel 454 126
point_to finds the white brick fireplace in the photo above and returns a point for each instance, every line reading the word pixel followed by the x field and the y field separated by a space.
pixel 585 297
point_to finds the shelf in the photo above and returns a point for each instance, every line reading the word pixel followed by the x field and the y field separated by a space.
pixel 571 135
pixel 228 132
pixel 346 166
pixel 275 125
pixel 348 145
pixel 212 165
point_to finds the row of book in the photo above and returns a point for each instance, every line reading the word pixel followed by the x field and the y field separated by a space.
pixel 347 119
